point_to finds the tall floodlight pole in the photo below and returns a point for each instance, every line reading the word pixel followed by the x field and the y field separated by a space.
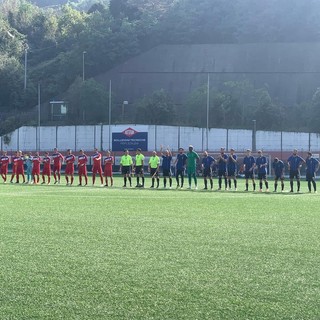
pixel 254 136
pixel 83 68
pixel 208 104
pixel 39 113
pixel 110 88
pixel 26 47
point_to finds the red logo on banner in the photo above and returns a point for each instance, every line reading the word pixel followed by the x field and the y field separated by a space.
pixel 129 132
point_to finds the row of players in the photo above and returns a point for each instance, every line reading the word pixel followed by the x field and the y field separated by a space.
pixel 226 168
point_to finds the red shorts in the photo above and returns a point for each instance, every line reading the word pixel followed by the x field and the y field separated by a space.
pixel 107 172
pixel 4 170
pixel 69 169
pixel 14 169
pixel 82 170
pixel 57 168
pixel 97 170
pixel 20 170
pixel 35 171
pixel 46 172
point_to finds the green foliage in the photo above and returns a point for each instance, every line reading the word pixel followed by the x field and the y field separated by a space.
pixel 234 105
pixel 157 108
pixel 113 31
pixel 87 101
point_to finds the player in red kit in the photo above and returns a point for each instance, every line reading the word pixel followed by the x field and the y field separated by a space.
pixel 36 160
pixel 82 167
pixel 46 171
pixel 108 162
pixel 20 167
pixel 96 168
pixel 57 158
pixel 4 162
pixel 14 161
pixel 70 159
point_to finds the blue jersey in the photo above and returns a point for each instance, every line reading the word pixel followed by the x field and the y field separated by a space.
pixel 29 163
pixel 249 162
pixel 311 165
pixel 181 161
pixel 222 165
pixel 166 162
pixel 295 162
pixel 278 167
pixel 207 162
pixel 232 165
pixel 262 163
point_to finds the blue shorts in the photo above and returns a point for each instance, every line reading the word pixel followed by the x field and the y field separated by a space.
pixel 310 176
pixel 222 173
pixel 294 174
pixel 249 174
pixel 207 172
pixel 262 176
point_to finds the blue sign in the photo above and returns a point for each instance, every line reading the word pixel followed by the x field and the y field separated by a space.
pixel 129 139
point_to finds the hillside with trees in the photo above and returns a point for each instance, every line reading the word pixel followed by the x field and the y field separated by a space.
pixel 52 40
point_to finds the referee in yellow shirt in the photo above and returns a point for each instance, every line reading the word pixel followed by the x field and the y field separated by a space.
pixel 154 164
pixel 126 166
pixel 139 163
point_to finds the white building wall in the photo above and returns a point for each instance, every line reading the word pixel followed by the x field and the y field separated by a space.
pixel 48 137
pixel 314 141
pixel 240 140
pixel 28 138
pixel 168 137
pixel 295 140
pixel 217 139
pixel 66 138
pixel 88 137
pixel 268 140
pixel 191 136
pixel 13 144
pixel 84 137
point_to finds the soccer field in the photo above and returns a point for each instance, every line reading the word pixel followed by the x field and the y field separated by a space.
pixel 113 253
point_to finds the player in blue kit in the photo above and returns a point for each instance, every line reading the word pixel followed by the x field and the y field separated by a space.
pixel 222 169
pixel 166 166
pixel 232 169
pixel 180 163
pixel 206 165
pixel 262 164
pixel 278 169
pixel 312 166
pixel 294 164
pixel 249 164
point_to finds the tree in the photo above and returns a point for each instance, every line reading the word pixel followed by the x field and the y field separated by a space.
pixel 158 108
pixel 88 102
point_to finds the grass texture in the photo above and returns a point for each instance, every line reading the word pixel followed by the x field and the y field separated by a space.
pixel 113 253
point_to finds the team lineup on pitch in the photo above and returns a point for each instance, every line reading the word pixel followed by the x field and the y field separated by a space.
pixel 26 168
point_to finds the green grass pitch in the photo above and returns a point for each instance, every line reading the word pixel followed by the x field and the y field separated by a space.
pixel 113 253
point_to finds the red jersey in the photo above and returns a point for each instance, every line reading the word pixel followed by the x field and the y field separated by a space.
pixel 108 161
pixel 46 163
pixel 57 159
pixel 46 166
pixel 4 161
pixel 20 163
pixel 14 161
pixel 96 160
pixel 70 159
pixel 82 160
pixel 36 165
pixel 82 164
